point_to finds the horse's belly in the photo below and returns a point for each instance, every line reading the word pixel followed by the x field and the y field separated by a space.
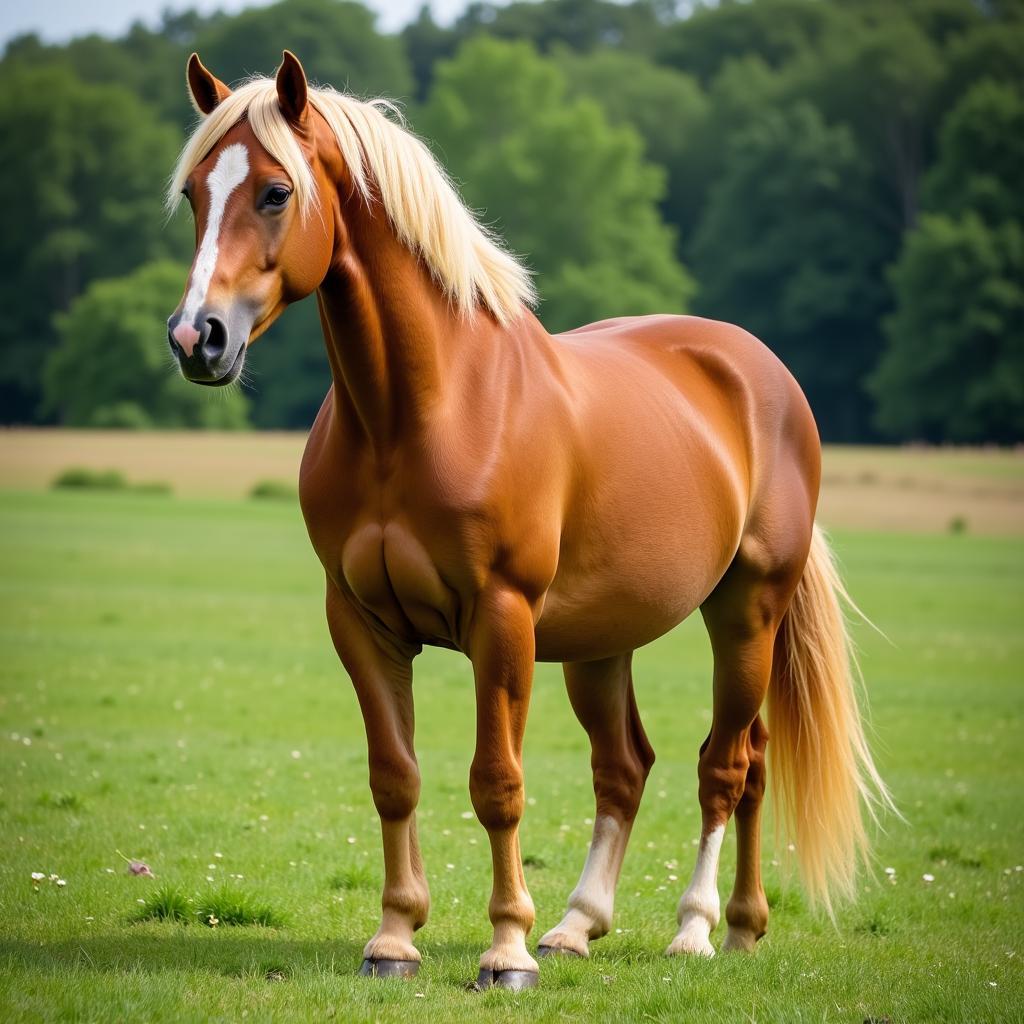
pixel 651 544
pixel 621 608
pixel 589 631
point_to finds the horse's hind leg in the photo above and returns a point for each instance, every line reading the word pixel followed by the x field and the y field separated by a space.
pixel 742 616
pixel 747 909
pixel 601 693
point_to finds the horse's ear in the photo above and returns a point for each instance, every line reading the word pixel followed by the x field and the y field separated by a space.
pixel 205 88
pixel 292 91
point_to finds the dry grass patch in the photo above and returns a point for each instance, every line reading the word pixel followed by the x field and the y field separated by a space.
pixel 934 490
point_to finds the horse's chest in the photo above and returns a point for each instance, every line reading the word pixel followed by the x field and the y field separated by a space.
pixel 391 573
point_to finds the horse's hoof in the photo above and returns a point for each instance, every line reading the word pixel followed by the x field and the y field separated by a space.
pixel 514 981
pixel 389 968
pixel 557 951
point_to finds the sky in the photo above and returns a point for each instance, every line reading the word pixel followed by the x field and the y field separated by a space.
pixel 59 20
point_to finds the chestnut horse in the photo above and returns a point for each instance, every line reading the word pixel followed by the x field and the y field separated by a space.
pixel 476 483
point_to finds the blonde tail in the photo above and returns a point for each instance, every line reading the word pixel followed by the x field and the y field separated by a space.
pixel 820 765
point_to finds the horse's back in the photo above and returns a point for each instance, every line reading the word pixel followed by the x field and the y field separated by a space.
pixel 731 357
pixel 725 375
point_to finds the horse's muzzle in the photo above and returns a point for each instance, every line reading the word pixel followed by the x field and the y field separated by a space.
pixel 204 352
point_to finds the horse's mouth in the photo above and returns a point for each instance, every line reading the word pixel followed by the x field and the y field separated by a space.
pixel 230 376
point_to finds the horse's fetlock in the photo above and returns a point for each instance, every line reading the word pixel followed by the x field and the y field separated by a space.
pixel 410 901
pixel 748 914
pixel 598 912
pixel 516 909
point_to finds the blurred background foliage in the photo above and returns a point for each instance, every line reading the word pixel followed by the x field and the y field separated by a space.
pixel 841 177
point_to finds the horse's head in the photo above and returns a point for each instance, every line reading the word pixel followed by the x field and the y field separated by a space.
pixel 262 240
pixel 276 174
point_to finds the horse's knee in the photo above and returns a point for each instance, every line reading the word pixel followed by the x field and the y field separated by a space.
pixel 496 789
pixel 395 785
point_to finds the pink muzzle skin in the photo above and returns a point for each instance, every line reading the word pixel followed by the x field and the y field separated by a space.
pixel 186 336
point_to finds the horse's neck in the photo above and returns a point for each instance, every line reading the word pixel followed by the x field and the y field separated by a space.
pixel 390 334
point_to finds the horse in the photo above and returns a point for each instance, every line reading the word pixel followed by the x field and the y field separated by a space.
pixel 476 483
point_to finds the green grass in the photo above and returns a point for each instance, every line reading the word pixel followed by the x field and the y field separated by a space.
pixel 167 903
pixel 231 905
pixel 168 690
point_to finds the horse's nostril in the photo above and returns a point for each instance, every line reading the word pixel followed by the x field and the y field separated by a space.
pixel 215 339
pixel 183 340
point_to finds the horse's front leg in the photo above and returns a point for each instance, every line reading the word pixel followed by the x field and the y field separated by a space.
pixel 502 651
pixel 383 683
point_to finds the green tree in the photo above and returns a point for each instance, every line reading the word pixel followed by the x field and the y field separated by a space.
pixel 335 40
pixel 880 79
pixel 954 368
pixel 88 162
pixel 567 189
pixel 775 31
pixel 784 249
pixel 579 24
pixel 992 50
pixel 954 365
pixel 941 20
pixel 668 109
pixel 981 156
pixel 148 62
pixel 426 43
pixel 112 367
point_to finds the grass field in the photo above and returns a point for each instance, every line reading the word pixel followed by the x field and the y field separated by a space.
pixel 168 690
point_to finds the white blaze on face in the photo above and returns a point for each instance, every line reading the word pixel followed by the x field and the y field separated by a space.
pixel 228 173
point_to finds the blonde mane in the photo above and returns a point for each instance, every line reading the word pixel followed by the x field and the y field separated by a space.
pixel 388 165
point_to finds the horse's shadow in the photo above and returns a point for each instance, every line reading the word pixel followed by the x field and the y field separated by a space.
pixel 232 954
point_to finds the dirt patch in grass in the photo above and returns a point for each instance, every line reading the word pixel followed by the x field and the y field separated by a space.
pixel 195 464
pixel 930 490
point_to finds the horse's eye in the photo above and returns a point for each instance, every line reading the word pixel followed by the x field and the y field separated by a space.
pixel 276 195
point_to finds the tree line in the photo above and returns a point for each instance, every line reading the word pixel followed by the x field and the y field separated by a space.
pixel 841 177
